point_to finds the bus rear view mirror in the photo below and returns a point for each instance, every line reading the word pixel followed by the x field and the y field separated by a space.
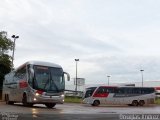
pixel 68 76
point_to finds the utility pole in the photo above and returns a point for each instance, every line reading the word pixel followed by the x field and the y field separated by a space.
pixel 76 74
pixel 142 76
pixel 108 79
pixel 14 43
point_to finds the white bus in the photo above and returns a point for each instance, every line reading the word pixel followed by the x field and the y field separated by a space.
pixel 111 95
pixel 157 92
pixel 35 82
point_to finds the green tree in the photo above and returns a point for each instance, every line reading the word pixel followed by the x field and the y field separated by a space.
pixel 6 45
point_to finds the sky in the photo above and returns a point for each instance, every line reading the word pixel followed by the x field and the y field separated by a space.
pixel 109 37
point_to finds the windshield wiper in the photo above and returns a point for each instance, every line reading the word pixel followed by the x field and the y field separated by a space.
pixel 55 85
pixel 46 84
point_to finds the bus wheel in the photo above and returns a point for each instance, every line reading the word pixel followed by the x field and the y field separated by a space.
pixel 135 103
pixel 96 103
pixel 130 105
pixel 24 100
pixel 141 102
pixel 50 105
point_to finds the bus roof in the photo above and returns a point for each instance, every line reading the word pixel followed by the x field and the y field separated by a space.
pixel 41 63
pixel 117 86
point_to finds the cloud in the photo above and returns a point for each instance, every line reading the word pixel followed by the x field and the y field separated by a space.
pixel 109 37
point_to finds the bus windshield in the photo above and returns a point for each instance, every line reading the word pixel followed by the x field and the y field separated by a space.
pixel 89 92
pixel 48 79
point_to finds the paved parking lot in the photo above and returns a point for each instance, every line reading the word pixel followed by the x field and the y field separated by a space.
pixel 70 111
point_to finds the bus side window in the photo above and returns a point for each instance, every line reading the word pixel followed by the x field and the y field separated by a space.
pixel 110 90
pixel 20 74
pixel 107 90
pixel 16 77
pixel 128 90
pixel 120 91
pixel 101 90
pixel 137 91
pixel 147 90
pixel 143 91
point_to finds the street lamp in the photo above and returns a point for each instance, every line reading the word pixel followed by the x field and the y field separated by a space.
pixel 14 37
pixel 142 76
pixel 76 73
pixel 108 79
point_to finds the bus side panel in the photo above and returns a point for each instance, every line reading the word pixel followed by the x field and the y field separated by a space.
pixel 22 87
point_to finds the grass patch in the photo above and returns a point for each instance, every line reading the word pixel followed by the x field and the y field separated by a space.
pixel 72 99
pixel 157 101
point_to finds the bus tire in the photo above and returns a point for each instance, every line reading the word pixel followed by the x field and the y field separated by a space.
pixel 96 103
pixel 24 100
pixel 141 102
pixel 50 105
pixel 135 103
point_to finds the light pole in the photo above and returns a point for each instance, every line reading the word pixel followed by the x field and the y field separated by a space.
pixel 108 79
pixel 76 73
pixel 142 76
pixel 14 37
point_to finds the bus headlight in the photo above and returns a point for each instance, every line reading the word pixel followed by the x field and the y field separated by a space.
pixel 62 95
pixel 37 94
pixel 34 99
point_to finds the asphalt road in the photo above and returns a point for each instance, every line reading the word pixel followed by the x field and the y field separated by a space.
pixel 69 111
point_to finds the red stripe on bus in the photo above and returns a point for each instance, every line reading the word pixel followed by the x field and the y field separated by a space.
pixel 157 88
pixel 23 84
pixel 101 95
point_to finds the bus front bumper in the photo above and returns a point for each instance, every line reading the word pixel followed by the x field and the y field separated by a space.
pixel 87 101
pixel 48 99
